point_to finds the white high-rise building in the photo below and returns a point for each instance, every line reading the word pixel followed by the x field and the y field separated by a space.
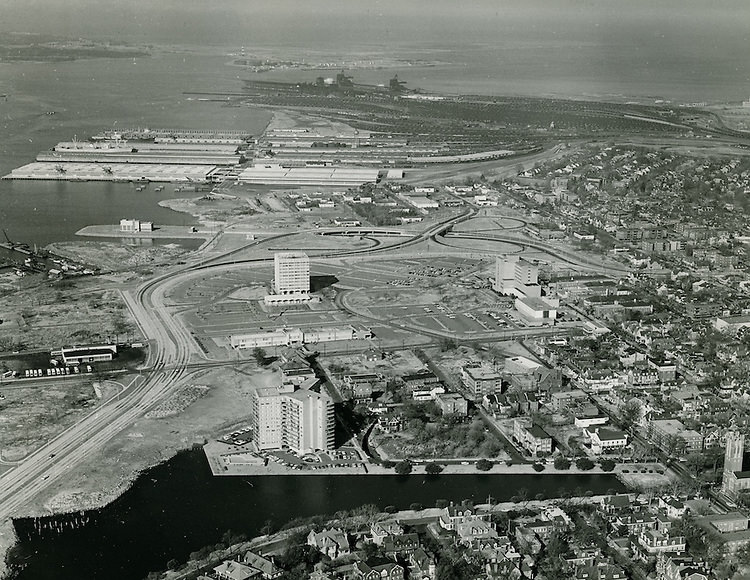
pixel 267 416
pixel 291 278
pixel 308 421
pixel 302 420
pixel 516 276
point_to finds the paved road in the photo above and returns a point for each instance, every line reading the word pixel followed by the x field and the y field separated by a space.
pixel 172 357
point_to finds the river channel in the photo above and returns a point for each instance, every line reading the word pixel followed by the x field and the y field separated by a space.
pixel 179 507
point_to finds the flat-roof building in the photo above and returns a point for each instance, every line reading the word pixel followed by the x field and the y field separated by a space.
pixel 481 381
pixel 731 324
pixel 673 437
pixel 87 354
pixel 133 225
pixel 302 420
pixel 275 174
pixel 537 311
pixel 532 438
pixel 516 276
pixel 291 278
pixel 307 421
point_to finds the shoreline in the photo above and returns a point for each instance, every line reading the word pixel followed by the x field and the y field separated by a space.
pixel 247 464
pixel 78 502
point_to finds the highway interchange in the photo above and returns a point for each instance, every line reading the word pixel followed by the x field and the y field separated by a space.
pixel 174 356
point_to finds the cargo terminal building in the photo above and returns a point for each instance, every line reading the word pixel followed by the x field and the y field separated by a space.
pixel 334 176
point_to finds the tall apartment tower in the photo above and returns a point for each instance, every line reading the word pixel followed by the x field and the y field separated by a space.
pixel 516 276
pixel 268 416
pixel 291 278
pixel 291 273
pixel 308 421
pixel 302 420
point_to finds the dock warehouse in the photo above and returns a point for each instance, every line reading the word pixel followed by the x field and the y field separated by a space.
pixel 87 354
pixel 115 172
pixel 274 174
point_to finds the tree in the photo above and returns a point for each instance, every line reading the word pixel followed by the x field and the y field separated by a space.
pixel 743 498
pixel 562 462
pixel 260 355
pixel 695 462
pixel 458 570
pixel 538 466
pixel 484 465
pixel 433 468
pixel 673 445
pixel 743 555
pixel 607 464
pixel 630 413
pixel 447 344
pixel 403 467
pixel 584 463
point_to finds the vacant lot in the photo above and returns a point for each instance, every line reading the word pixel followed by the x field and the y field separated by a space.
pixel 53 314
pixel 32 414
pixel 117 257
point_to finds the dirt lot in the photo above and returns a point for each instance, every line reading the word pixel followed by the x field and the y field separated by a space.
pixel 114 257
pixel 53 314
pixel 33 413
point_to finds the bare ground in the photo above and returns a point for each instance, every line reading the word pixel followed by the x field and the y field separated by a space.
pixel 32 414
pixel 114 257
pixel 54 314
pixel 148 441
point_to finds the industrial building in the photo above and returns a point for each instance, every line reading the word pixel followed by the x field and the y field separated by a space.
pixel 87 354
pixel 141 155
pixel 133 225
pixel 136 172
pixel 537 311
pixel 275 174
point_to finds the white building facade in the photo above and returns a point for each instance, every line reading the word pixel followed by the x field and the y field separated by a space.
pixel 291 278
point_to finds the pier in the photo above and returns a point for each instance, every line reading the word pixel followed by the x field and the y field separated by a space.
pixel 170 232
pixel 121 172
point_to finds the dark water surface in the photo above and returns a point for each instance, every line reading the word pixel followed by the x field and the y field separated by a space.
pixel 87 97
pixel 178 507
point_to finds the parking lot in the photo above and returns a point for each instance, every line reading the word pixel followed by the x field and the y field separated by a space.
pixel 216 307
